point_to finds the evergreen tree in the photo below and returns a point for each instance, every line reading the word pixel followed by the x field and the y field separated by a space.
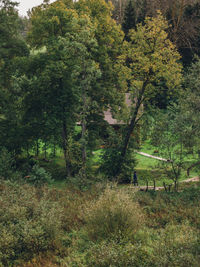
pixel 130 20
pixel 134 13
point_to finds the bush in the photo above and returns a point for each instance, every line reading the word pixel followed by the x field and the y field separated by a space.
pixel 28 224
pixel 113 215
pixel 6 165
pixel 119 255
pixel 111 160
pixel 39 176
pixel 178 245
pixel 161 207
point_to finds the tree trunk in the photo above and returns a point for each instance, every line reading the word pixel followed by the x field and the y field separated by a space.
pixel 83 133
pixel 83 125
pixel 64 138
pixel 176 186
pixel 169 186
pixel 84 153
pixel 37 148
pixel 165 186
pixel 132 125
pixel 147 185
pixel 45 150
pixel 133 120
pixel 54 149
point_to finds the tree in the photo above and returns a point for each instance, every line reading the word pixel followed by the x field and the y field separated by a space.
pixel 67 71
pixel 152 57
pixel 129 21
pixel 167 134
pixel 189 113
pixel 118 9
pixel 11 48
pixel 85 42
pixel 108 90
pixel 11 44
pixel 184 18
pixel 134 13
pixel 176 131
pixel 182 15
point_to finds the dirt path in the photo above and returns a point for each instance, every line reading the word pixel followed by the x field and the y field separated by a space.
pixel 150 156
pixel 193 179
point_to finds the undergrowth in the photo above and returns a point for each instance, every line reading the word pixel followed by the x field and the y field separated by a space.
pixel 100 227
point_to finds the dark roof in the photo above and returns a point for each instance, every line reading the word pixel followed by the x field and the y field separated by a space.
pixel 108 116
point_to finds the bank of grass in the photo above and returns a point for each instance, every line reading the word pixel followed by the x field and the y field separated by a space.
pixel 104 226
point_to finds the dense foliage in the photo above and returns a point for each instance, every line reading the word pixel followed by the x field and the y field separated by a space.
pixel 85 85
pixel 101 227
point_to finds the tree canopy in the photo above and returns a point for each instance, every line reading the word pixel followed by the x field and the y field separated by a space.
pixel 152 57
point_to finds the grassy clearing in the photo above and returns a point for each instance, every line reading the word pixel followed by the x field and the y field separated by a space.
pixel 147 168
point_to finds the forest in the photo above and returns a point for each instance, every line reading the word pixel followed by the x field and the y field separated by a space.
pixel 91 92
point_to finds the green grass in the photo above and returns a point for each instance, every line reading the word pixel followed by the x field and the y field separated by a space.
pixel 147 168
pixel 145 162
pixel 97 156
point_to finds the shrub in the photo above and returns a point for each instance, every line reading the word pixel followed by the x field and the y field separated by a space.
pixel 113 215
pixel 161 208
pixel 177 246
pixel 28 225
pixel 6 164
pixel 110 163
pixel 119 255
pixel 39 176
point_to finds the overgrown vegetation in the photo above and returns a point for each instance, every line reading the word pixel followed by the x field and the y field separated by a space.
pixel 105 226
pixel 83 88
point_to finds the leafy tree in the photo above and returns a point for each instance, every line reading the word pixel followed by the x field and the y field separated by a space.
pixel 11 44
pixel 129 21
pixel 80 45
pixel 11 48
pixel 189 112
pixel 108 90
pixel 167 135
pixel 183 16
pixel 67 71
pixel 153 57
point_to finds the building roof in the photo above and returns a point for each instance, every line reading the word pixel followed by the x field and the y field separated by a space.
pixel 108 116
